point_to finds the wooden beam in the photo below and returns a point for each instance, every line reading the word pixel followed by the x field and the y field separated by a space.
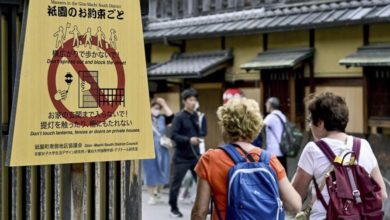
pixel 217 85
pixel 311 62
pixel 353 81
pixel 265 42
pixel 131 185
pixel 45 187
pixel 223 43
pixel 366 34
pixel 66 189
pixel 113 190
pixel 379 122
pixel 58 192
pixel 262 94
pixel 13 42
pixel 11 2
pixel 293 105
pixel 365 103
pixel 312 38
pixel 16 188
pixel 4 180
pixel 77 183
pixel 311 77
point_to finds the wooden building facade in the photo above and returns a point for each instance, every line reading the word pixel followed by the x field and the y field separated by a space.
pixel 286 49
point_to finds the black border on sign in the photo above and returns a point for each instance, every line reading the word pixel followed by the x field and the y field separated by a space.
pixel 17 82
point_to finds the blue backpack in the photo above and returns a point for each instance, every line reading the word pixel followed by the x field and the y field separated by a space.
pixel 253 191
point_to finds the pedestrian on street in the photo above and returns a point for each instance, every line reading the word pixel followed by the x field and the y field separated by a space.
pixel 188 191
pixel 157 170
pixel 240 122
pixel 328 119
pixel 186 133
pixel 274 129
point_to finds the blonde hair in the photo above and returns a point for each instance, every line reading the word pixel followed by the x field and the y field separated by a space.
pixel 240 119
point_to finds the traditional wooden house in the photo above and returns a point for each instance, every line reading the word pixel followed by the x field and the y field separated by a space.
pixel 274 48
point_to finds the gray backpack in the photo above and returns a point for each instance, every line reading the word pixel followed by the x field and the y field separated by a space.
pixel 292 137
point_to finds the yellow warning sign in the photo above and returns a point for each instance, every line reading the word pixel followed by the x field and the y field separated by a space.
pixel 82 93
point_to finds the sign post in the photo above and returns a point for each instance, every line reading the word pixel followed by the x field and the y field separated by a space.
pixel 81 93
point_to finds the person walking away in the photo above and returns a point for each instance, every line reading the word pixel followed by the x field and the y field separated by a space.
pixel 186 134
pixel 274 129
pixel 240 121
pixel 328 119
pixel 157 170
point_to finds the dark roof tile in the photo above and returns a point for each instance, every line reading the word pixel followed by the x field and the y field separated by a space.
pixel 280 58
pixel 334 5
pixel 299 19
pixel 309 19
pixel 288 20
pixel 324 6
pixel 275 21
pixel 278 18
pixel 322 17
pixel 373 55
pixel 191 65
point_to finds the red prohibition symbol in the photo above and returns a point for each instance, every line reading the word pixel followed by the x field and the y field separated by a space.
pixel 79 66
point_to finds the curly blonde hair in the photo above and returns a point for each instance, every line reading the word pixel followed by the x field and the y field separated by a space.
pixel 240 119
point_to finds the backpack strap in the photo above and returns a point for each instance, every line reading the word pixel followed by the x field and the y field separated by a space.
pixel 233 153
pixel 324 147
pixel 282 122
pixel 265 156
pixel 319 194
pixel 216 208
pixel 356 147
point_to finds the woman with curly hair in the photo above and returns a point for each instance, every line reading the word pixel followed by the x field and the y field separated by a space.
pixel 240 121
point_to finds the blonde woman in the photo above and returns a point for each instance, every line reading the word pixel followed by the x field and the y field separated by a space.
pixel 240 121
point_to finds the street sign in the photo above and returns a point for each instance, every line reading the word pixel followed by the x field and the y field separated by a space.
pixel 81 94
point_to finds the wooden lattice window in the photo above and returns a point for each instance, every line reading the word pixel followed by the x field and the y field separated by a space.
pixel 288 85
pixel 378 92
pixel 276 84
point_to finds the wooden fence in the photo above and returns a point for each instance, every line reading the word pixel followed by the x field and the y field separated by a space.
pixel 108 190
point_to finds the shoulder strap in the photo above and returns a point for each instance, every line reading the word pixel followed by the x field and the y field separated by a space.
pixel 273 133
pixel 247 155
pixel 155 130
pixel 281 121
pixel 265 156
pixel 284 127
pixel 233 153
pixel 216 208
pixel 324 147
pixel 319 194
pixel 356 147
